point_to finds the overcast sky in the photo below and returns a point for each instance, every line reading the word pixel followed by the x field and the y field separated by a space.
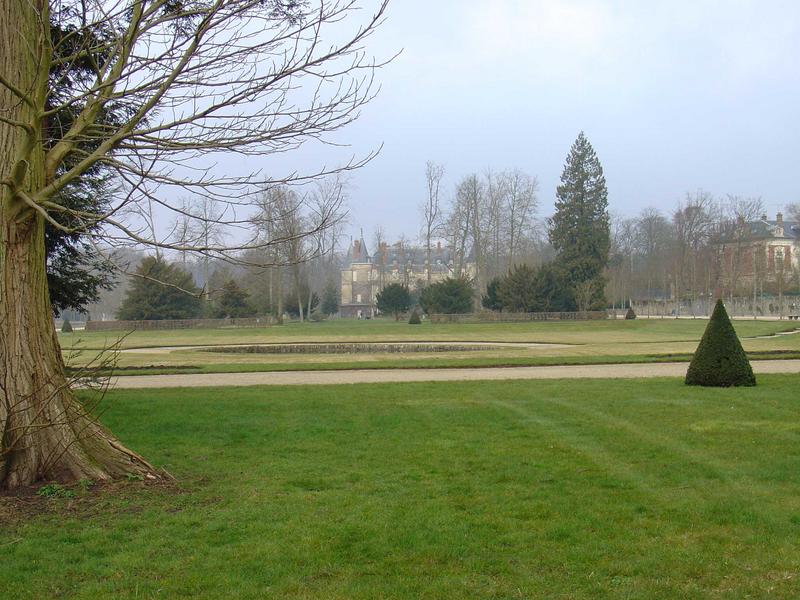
pixel 674 96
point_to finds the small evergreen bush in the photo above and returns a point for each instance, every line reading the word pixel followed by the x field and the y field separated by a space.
pixel 414 319
pixel 66 326
pixel 720 360
pixel 630 315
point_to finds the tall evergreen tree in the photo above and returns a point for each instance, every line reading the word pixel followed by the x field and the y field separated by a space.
pixel 330 299
pixel 233 302
pixel 394 299
pixel 579 229
pixel 160 291
pixel 76 272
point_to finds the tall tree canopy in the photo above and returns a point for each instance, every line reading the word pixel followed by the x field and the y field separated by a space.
pixel 579 229
pixel 151 94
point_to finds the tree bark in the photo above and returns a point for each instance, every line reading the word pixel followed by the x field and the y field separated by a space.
pixel 45 432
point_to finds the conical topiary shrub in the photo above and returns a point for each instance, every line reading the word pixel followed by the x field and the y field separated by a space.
pixel 414 320
pixel 630 314
pixel 66 326
pixel 720 360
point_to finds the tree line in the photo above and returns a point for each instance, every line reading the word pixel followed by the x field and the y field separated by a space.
pixel 701 248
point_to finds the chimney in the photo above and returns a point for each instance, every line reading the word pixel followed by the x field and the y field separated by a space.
pixel 779 218
pixel 764 217
pixel 439 245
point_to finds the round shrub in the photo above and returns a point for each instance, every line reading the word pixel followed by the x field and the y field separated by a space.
pixel 720 360
pixel 414 318
pixel 66 326
pixel 630 315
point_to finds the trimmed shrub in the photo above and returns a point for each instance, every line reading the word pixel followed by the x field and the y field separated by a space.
pixel 720 360
pixel 66 326
pixel 414 318
pixel 630 315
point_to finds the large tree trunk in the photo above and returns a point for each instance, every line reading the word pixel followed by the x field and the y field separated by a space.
pixel 45 432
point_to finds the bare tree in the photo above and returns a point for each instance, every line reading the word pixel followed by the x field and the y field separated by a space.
pixel 289 227
pixel 464 227
pixel 328 205
pixel 380 253
pixel 693 226
pixel 491 211
pixel 622 257
pixel 520 209
pixel 196 79
pixel 206 228
pixel 432 210
pixel 653 240
pixel 736 237
pixel 793 212
pixel 182 229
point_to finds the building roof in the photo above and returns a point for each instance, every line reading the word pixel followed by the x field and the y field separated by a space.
pixel 398 254
pixel 358 253
pixel 767 228
pixel 764 229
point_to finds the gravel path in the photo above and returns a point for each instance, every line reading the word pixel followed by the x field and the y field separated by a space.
pixel 409 375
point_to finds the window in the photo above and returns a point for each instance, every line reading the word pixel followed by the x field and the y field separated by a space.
pixel 358 298
pixel 355 275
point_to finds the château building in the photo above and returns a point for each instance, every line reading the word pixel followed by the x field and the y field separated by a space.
pixel 764 252
pixel 365 274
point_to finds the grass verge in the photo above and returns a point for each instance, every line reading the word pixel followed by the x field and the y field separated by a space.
pixel 414 363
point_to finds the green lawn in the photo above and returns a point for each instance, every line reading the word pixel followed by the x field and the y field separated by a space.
pixel 574 489
pixel 377 330
pixel 586 342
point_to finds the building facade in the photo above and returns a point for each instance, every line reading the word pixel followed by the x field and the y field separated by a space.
pixel 365 274
pixel 763 253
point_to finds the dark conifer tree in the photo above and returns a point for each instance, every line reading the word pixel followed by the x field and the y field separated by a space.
pixel 579 229
pixel 161 291
pixel 330 299
pixel 233 302
pixel 394 299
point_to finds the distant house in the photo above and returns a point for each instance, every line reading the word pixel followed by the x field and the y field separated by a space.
pixel 765 251
pixel 365 274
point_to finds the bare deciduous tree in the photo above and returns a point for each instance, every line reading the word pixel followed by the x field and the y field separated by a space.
pixel 520 208
pixel 432 210
pixel 693 226
pixel 380 253
pixel 197 79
